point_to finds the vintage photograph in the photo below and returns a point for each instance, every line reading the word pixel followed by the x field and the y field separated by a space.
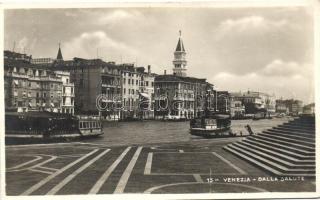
pixel 168 99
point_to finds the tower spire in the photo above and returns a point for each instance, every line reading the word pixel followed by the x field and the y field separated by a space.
pixel 59 56
pixel 180 62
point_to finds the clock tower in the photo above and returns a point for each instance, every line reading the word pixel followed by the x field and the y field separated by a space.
pixel 180 62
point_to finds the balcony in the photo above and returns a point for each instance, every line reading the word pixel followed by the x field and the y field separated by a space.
pixel 109 85
pixel 178 98
pixel 68 94
pixel 18 75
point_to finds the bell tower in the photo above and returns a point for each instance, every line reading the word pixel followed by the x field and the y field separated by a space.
pixel 180 62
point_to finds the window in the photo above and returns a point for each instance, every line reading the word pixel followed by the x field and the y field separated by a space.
pixel 132 91
pixel 44 95
pixel 152 84
pixel 72 90
pixel 132 82
pixel 129 91
pixel 51 85
pixel 81 83
pixel 67 80
pixel 124 90
pixel 147 83
pixel 37 94
pixel 137 82
pixel 129 81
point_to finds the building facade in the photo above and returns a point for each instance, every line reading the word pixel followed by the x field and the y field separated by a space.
pixel 178 96
pixel 30 87
pixel 290 106
pixel 97 87
pixel 41 61
pixel 67 105
pixel 256 102
pixel 146 92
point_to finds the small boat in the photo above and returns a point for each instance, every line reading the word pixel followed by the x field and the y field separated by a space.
pixel 215 125
pixel 32 127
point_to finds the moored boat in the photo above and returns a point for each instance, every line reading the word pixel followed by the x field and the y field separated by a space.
pixel 33 127
pixel 215 125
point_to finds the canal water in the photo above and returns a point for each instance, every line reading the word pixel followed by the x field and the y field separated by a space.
pixel 148 132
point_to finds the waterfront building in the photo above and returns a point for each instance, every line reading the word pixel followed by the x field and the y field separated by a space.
pixel 256 102
pixel 67 104
pixel 281 107
pixel 137 92
pixel 178 96
pixel 309 109
pixel 97 86
pixel 11 55
pixel 291 106
pixel 30 87
pixel 131 80
pixel 237 109
pixel 42 61
pixel 146 99
pixel 222 101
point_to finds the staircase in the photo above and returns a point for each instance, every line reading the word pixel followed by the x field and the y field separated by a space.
pixel 285 150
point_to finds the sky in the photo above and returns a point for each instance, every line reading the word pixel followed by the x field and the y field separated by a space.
pixel 237 49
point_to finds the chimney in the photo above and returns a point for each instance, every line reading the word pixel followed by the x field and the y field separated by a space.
pixel 165 72
pixel 149 69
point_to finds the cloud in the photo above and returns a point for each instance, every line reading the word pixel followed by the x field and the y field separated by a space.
pixel 117 16
pixel 249 43
pixel 297 82
pixel 280 68
pixel 249 22
pixel 87 44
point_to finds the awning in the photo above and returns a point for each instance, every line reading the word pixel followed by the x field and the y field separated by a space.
pixel 16 82
pixel 52 105
pixel 44 105
pixel 221 116
pixel 144 95
pixel 30 105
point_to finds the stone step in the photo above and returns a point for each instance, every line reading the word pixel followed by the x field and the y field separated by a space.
pixel 276 158
pixel 297 129
pixel 258 160
pixel 283 156
pixel 279 150
pixel 281 146
pixel 306 135
pixel 298 146
pixel 303 125
pixel 288 139
pixel 289 135
pixel 252 161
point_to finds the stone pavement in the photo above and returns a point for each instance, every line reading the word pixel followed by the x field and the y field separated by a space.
pixel 90 168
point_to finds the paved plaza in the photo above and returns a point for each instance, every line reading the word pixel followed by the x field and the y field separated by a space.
pixel 87 167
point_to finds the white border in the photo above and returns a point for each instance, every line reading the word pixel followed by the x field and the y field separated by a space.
pixel 313 4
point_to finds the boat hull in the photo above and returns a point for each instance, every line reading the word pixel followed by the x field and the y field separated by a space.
pixel 24 138
pixel 215 133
